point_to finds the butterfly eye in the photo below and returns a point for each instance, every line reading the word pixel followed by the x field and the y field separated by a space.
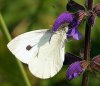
pixel 28 47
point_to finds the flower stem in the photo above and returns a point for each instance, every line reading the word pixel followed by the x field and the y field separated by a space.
pixel 8 38
pixel 86 52
pixel 87 43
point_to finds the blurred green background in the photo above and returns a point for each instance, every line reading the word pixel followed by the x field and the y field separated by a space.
pixel 25 15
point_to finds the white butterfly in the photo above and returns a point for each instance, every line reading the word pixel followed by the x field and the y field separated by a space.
pixel 42 50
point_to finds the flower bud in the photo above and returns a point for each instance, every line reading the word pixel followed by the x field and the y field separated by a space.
pixel 75 69
pixel 79 16
pixel 91 17
pixel 95 65
pixel 96 9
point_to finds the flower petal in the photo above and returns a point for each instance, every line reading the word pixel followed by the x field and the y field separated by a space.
pixel 72 6
pixel 74 70
pixel 74 33
pixel 71 58
pixel 65 17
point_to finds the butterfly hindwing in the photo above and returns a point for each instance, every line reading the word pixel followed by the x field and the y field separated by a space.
pixel 50 57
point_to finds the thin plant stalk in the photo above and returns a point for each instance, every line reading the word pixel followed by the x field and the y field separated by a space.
pixel 87 43
pixel 86 52
pixel 8 38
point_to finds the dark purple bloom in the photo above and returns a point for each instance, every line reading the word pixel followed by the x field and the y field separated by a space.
pixel 65 17
pixel 92 20
pixel 73 31
pixel 73 6
pixel 75 69
pixel 71 58
pixel 73 26
pixel 72 21
pixel 91 17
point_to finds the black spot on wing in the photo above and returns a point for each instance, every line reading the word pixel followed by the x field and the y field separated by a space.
pixel 28 47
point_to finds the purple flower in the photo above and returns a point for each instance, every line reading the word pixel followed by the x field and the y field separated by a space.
pixel 75 69
pixel 65 17
pixel 73 31
pixel 72 21
pixel 73 26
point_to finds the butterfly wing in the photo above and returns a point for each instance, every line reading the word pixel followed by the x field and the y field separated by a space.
pixel 21 46
pixel 50 57
pixel 42 51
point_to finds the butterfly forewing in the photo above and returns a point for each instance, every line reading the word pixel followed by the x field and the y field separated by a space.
pixel 22 45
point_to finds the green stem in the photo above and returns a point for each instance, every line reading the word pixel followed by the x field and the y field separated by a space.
pixel 8 38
